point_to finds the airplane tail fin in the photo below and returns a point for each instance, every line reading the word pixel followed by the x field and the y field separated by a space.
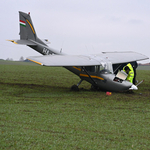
pixel 29 37
pixel 27 30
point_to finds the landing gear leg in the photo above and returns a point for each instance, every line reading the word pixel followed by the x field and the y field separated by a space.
pixel 75 87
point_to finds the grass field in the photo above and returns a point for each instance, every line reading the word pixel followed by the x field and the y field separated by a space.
pixel 38 111
pixel 143 67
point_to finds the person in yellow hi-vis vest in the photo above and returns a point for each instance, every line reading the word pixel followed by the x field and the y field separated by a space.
pixel 129 70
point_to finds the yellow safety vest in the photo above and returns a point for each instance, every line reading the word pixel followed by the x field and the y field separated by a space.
pixel 131 72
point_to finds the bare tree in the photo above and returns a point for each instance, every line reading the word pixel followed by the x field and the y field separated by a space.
pixel 21 58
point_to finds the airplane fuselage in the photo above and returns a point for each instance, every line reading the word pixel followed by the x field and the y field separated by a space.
pixel 103 79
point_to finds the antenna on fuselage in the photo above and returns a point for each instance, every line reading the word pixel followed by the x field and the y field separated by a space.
pixel 62 47
pixel 61 50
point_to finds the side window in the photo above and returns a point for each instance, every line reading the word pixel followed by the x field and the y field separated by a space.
pixel 90 68
pixel 99 68
pixel 96 69
pixel 108 66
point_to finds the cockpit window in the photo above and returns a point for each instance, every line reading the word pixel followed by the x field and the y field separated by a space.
pixel 105 71
pixel 97 69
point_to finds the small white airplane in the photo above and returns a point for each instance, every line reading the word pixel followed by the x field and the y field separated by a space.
pixel 97 69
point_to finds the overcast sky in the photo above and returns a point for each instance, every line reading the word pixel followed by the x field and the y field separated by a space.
pixel 78 26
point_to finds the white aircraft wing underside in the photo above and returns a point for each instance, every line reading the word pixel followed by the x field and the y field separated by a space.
pixel 123 57
pixel 88 60
pixel 65 60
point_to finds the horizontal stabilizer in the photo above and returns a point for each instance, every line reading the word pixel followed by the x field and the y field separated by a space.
pixel 23 42
pixel 45 41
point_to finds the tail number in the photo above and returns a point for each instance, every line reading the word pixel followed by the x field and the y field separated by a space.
pixel 46 51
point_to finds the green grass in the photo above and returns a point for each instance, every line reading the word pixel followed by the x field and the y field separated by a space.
pixel 7 62
pixel 143 67
pixel 38 111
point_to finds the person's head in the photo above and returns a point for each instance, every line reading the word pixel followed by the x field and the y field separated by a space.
pixel 127 69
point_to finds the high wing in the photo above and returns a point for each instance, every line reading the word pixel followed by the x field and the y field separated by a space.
pixel 124 57
pixel 88 60
pixel 64 60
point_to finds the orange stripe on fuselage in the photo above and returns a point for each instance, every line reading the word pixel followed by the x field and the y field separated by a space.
pixel 77 68
pixel 85 75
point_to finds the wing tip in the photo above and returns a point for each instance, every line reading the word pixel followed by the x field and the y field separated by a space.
pixel 12 41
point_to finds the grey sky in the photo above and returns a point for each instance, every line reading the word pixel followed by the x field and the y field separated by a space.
pixel 78 26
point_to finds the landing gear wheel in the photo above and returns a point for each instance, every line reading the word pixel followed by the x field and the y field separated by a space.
pixel 74 88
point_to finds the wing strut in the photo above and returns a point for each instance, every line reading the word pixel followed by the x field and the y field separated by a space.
pixel 89 75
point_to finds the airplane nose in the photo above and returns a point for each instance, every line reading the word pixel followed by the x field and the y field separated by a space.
pixel 133 87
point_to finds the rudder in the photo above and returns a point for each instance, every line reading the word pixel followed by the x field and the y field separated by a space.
pixel 27 30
